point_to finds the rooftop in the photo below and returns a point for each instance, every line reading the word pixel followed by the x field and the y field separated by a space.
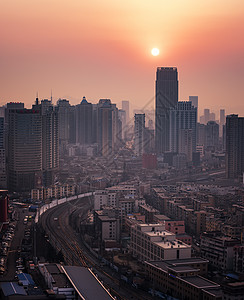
pixel 86 284
pixel 26 279
pixel 178 264
pixel 200 282
pixel 12 288
pixel 215 291
pixel 172 245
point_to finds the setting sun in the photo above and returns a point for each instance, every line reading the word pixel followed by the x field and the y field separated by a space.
pixel 155 51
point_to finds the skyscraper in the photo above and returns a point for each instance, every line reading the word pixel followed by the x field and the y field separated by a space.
pixel 166 98
pixel 212 135
pixel 139 134
pixel 84 121
pixel 63 110
pixel 234 146
pixel 183 122
pixel 122 117
pixel 194 100
pixel 50 140
pixel 126 108
pixel 221 121
pixel 24 148
pixel 206 115
pixel 3 179
pixel 107 126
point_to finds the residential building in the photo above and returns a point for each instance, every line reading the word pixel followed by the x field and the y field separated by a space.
pixel 212 135
pixel 153 242
pixel 180 279
pixel 166 98
pixel 234 146
pixel 107 127
pixel 25 149
pixel 84 122
pixel 139 134
pixel 219 250
pixel 3 174
pixel 63 110
pixel 183 122
pixel 222 119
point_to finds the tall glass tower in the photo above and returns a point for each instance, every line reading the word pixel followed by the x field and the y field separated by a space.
pixel 166 98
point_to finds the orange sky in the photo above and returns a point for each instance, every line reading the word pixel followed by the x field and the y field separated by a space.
pixel 101 49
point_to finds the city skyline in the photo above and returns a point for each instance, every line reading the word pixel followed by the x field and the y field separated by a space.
pixel 104 51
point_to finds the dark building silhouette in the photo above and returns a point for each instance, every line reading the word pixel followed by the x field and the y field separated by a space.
pixel 72 125
pixel 183 123
pixel 212 135
pixel 107 127
pixel 139 134
pixel 24 148
pixel 234 146
pixel 166 98
pixel 63 110
pixel 3 182
pixel 50 141
pixel 84 121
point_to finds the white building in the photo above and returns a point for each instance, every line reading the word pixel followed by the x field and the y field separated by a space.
pixel 153 242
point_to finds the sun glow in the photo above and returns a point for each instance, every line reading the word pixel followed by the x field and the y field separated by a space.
pixel 155 51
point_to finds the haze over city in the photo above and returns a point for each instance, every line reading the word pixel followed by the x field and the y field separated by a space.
pixel 121 150
pixel 103 50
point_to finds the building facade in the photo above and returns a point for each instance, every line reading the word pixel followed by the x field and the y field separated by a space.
pixel 166 98
pixel 139 134
pixel 153 242
pixel 24 149
pixel 234 146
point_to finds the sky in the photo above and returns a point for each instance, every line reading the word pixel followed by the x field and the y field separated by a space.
pixel 102 49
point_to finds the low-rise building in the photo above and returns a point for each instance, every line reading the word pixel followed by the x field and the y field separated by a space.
pixel 153 242
pixel 219 250
pixel 181 279
pixel 107 224
pixel 149 212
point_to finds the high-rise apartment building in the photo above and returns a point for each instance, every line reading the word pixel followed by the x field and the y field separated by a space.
pixel 139 134
pixel 72 125
pixel 166 98
pixel 212 135
pixel 3 178
pixel 206 115
pixel 24 148
pixel 122 117
pixel 194 100
pixel 183 122
pixel 234 146
pixel 84 122
pixel 126 108
pixel 63 110
pixel 50 140
pixel 221 121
